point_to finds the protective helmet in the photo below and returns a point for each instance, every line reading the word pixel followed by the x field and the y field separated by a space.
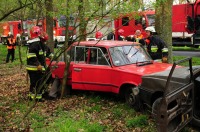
pixel 43 36
pixel 35 32
pixel 151 29
pixel 121 32
pixel 98 35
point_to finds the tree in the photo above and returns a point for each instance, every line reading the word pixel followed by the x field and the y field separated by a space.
pixel 164 23
pixel 49 23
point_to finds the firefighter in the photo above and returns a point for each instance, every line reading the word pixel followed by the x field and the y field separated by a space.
pixel 153 40
pixel 111 35
pixel 120 35
pixel 36 64
pixel 11 46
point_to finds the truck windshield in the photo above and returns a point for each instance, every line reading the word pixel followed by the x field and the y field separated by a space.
pixel 62 21
pixel 129 54
pixel 151 19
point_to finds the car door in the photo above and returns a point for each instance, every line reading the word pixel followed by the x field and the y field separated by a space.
pixel 95 74
pixel 175 109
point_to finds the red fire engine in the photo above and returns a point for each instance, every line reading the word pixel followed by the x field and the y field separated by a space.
pixel 13 27
pixel 185 23
pixel 134 21
pixel 16 27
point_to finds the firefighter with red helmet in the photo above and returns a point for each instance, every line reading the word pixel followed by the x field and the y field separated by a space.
pixel 36 61
pixel 11 46
pixel 120 34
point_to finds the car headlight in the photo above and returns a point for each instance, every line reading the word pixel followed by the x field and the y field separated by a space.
pixel 135 91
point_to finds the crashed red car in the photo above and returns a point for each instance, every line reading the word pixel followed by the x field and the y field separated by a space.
pixel 126 69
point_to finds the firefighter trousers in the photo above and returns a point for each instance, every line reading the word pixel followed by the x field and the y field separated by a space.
pixel 36 80
pixel 11 52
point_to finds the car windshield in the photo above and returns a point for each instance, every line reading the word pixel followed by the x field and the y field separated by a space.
pixel 128 54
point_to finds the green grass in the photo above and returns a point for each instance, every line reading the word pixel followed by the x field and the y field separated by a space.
pixel 138 121
pixel 185 48
pixel 3 54
pixel 195 60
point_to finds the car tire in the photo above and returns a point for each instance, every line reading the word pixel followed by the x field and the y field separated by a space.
pixel 133 100
pixel 155 107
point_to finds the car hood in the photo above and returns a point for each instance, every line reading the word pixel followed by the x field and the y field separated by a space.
pixel 157 81
pixel 146 69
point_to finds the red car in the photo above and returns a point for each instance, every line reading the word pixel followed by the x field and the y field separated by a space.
pixel 126 69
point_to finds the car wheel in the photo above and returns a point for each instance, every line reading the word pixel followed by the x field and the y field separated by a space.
pixel 133 100
pixel 155 107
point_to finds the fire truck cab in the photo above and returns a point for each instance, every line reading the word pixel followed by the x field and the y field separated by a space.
pixel 186 24
pixel 134 21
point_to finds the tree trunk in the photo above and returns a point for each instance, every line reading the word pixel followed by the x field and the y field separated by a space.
pixel 164 24
pixel 83 23
pixel 49 24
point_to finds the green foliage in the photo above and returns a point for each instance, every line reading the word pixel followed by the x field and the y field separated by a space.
pixel 138 121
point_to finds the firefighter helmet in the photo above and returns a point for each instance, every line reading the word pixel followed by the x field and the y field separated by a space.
pixel 43 36
pixel 121 32
pixel 98 35
pixel 35 32
pixel 151 29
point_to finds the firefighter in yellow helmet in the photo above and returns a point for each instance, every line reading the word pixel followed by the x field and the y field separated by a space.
pixel 11 46
pixel 36 62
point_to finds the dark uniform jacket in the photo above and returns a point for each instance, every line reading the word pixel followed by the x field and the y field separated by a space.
pixel 36 55
pixel 155 41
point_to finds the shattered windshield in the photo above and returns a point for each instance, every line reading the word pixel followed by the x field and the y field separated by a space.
pixel 128 54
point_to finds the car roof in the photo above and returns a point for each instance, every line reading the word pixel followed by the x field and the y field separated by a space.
pixel 103 43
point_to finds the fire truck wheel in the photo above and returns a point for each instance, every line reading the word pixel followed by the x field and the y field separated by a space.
pixel 133 100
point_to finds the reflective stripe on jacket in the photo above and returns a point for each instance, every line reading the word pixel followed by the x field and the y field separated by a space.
pixel 33 68
pixel 11 43
pixel 36 55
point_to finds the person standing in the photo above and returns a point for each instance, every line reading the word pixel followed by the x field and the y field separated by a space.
pixel 111 35
pixel 138 35
pixel 36 62
pixel 156 41
pixel 11 46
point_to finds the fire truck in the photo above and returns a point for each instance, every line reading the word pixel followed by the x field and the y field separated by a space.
pixel 185 23
pixel 134 21
pixel 13 27
pixel 23 28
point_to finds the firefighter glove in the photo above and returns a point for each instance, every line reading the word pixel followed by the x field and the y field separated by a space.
pixel 39 67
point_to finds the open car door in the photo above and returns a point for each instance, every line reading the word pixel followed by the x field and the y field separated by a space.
pixel 175 109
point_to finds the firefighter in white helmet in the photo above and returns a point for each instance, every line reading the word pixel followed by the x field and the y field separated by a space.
pixel 154 40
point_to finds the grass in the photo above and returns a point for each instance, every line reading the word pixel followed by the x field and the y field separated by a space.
pixel 3 53
pixel 138 121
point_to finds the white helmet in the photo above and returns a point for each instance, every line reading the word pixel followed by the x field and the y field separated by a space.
pixel 151 29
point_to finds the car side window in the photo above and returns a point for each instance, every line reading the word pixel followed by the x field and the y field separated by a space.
pixel 69 54
pixel 103 58
pixel 80 54
pixel 91 55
